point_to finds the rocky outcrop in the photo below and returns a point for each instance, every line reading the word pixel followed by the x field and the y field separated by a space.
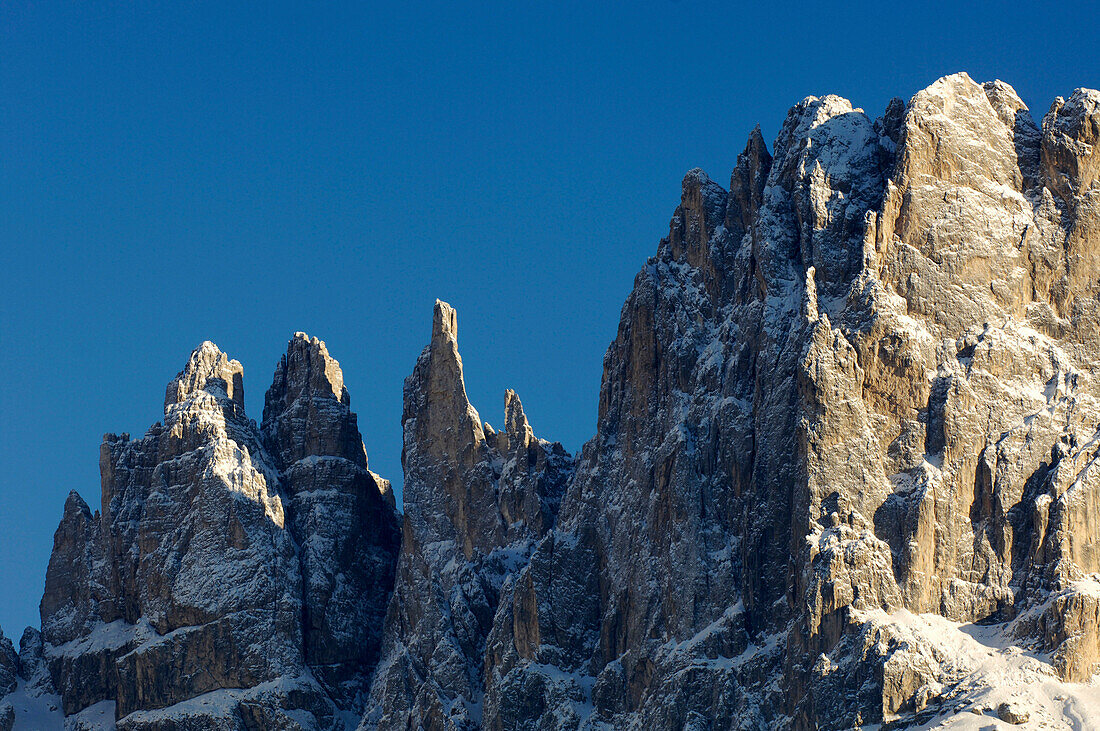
pixel 9 666
pixel 234 577
pixel 855 384
pixel 844 473
pixel 346 531
pixel 476 501
pixel 32 663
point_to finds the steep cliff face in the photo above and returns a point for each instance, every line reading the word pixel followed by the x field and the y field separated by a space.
pixel 338 514
pixel 680 543
pixel 224 584
pixel 849 409
pixel 476 501
pixel 846 471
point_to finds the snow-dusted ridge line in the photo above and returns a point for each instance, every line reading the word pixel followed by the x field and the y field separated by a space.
pixel 844 475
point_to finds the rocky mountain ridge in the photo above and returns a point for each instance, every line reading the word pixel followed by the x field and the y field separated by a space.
pixel 844 474
pixel 246 566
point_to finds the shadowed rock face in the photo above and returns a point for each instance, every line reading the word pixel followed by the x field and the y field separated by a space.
pixel 346 532
pixel 9 666
pixel 476 501
pixel 846 451
pixel 225 582
pixel 857 382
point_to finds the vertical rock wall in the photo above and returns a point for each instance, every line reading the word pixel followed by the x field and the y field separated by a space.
pixel 844 468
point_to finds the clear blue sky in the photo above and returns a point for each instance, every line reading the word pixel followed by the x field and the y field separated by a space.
pixel 174 172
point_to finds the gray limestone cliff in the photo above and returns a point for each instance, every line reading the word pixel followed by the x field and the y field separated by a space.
pixel 346 530
pixel 234 577
pixel 845 473
pixel 843 455
pixel 476 502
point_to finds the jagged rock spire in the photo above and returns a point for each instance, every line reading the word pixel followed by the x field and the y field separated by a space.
pixel 209 370
pixel 67 602
pixel 702 210
pixel 436 404
pixel 1071 132
pixel 345 528
pixel 518 430
pixel 307 409
pixel 307 369
pixel 474 500
pixel 747 184
pixel 445 455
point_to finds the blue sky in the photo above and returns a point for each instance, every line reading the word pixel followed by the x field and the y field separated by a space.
pixel 171 173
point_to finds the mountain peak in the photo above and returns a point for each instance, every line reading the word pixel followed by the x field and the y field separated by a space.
pixel 444 322
pixel 306 369
pixel 210 370
pixel 844 467
pixel 515 421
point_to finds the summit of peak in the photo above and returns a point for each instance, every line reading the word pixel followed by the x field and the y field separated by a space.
pixel 696 177
pixel 949 82
pixel 308 365
pixel 515 420
pixel 75 505
pixel 207 367
pixel 444 321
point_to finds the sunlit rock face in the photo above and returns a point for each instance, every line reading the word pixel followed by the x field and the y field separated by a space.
pixel 234 577
pixel 852 391
pixel 186 581
pixel 845 472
